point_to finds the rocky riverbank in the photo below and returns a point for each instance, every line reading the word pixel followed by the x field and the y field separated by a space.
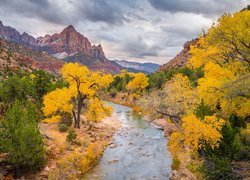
pixel 182 173
pixel 138 150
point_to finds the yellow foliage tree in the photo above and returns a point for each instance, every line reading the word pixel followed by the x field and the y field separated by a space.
pixel 95 113
pixel 180 101
pixel 138 83
pixel 196 133
pixel 227 40
pixel 84 86
pixel 200 132
pixel 224 52
pixel 179 97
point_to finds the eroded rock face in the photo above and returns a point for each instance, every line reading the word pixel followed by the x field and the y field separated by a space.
pixel 180 60
pixel 97 52
pixel 9 33
pixel 27 39
pixel 69 41
pixel 68 45
pixel 21 57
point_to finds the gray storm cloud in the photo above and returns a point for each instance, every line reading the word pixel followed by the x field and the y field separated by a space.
pixel 140 30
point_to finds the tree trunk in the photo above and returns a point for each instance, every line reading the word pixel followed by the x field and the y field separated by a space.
pixel 17 172
pixel 77 125
pixel 75 119
pixel 79 107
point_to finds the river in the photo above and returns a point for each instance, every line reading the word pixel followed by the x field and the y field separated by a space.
pixel 139 151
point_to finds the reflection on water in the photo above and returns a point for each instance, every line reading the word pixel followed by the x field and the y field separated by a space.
pixel 140 152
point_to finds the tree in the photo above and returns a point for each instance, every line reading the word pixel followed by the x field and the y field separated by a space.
pixel 95 113
pixel 14 88
pixel 179 98
pixel 197 133
pixel 21 139
pixel 84 86
pixel 139 83
pixel 224 52
pixel 42 82
pixel 224 55
pixel 226 41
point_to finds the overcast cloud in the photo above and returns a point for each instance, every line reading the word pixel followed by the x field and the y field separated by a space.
pixel 137 30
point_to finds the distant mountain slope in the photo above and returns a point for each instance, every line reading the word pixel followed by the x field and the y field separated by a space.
pixel 143 67
pixel 68 45
pixel 180 60
pixel 15 56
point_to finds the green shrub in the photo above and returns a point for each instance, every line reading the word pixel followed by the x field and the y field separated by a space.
pixel 217 168
pixel 237 121
pixel 245 136
pixel 22 138
pixel 203 110
pixel 227 146
pixel 243 154
pixel 176 163
pixel 62 127
pixel 71 137
pixel 112 93
pixel 196 168
pixel 237 144
pixel 77 142
pixel 16 88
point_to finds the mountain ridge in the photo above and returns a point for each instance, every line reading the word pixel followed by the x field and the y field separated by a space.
pixel 146 67
pixel 14 56
pixel 68 45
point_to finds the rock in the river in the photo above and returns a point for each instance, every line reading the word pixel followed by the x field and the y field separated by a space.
pixel 113 161
pixel 168 128
pixel 113 145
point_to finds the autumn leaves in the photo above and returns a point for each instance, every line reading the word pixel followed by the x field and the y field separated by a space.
pixel 82 94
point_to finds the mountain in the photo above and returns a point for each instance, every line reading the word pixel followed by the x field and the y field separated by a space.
pixel 138 67
pixel 15 56
pixel 68 45
pixel 180 60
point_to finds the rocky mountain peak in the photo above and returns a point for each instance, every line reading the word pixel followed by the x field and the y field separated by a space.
pixel 69 45
pixel 70 27
pixel 97 52
pixel 69 30
pixel 27 39
pixel 1 24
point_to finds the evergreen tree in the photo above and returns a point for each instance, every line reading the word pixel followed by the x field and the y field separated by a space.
pixel 21 139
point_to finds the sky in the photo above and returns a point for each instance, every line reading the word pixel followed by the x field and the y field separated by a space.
pixel 135 30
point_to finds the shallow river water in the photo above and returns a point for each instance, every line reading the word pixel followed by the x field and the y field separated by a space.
pixel 139 151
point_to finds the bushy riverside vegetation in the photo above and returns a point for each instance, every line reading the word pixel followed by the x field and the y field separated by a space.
pixel 29 98
pixel 21 101
pixel 208 100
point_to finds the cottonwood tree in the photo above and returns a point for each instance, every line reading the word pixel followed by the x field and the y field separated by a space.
pixel 138 83
pixel 224 52
pixel 179 98
pixel 82 91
